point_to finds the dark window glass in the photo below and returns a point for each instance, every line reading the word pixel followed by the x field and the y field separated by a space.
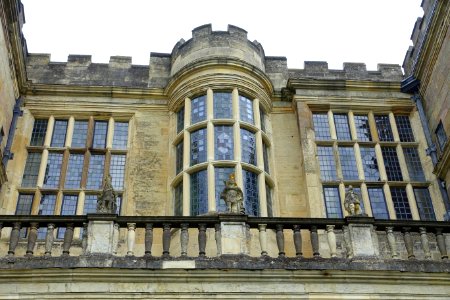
pixel 348 163
pixel 441 136
pixel 24 203
pixel 59 133
pixel 262 119
pixel 362 128
pixel 269 201
pixel 178 206
pixel 342 128
pixel 248 145
pixel 198 146
pixel 117 170
pixel 47 208
pixel 180 119
pixel 266 158
pixel 321 127
pixel 69 207
pixel 199 193
pixel 384 128
pixel 198 109
pixel 378 203
pixel 224 145
pixel 100 131
pixel 332 202
pixel 38 134
pixel 246 109
pixel 74 171
pixel 90 204
pixel 95 172
pixel 222 106
pixel 31 171
pixel 251 193
pixel 401 204
pixel 53 170
pixel 222 175
pixel 120 138
pixel 80 129
pixel 179 158
pixel 404 129
pixel 413 163
pixel 327 163
pixel 370 165
pixel 393 171
pixel 424 204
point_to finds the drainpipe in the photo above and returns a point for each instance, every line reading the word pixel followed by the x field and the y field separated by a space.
pixel 12 129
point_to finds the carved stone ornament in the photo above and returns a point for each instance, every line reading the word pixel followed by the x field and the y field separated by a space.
pixel 352 203
pixel 106 202
pixel 233 196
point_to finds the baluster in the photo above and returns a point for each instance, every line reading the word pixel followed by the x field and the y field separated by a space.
pixel 331 240
pixel 148 239
pixel 166 239
pixel 263 238
pixel 68 237
pixel 315 241
pixel 131 238
pixel 424 240
pixel 391 241
pixel 14 238
pixel 84 238
pixel 218 237
pixel 347 242
pixel 280 240
pixel 115 239
pixel 32 236
pixel 297 241
pixel 49 238
pixel 441 243
pixel 184 238
pixel 408 242
pixel 201 239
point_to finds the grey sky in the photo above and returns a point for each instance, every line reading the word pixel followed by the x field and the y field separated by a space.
pixel 337 31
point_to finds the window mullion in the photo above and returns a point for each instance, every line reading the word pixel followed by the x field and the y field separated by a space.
pixel 332 126
pixel 402 162
pixel 110 133
pixel 36 202
pixel 64 167
pixel 373 127
pixel 351 123
pixel 380 161
pixel 69 133
pixel 49 134
pixel 365 199
pixel 394 127
pixel 412 202
pixel 90 133
pixel 359 163
pixel 107 163
pixel 42 168
pixel 389 202
pixel 84 174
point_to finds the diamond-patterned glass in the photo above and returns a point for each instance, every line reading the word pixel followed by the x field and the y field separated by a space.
pixel 248 146
pixel 198 146
pixel 224 144
pixel 246 109
pixel 251 193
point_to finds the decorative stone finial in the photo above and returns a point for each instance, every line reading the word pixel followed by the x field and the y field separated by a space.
pixel 106 203
pixel 352 203
pixel 233 196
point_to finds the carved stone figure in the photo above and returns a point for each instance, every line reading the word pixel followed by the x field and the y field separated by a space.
pixel 106 202
pixel 352 202
pixel 233 196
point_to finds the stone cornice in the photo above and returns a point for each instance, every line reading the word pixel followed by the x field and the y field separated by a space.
pixel 339 84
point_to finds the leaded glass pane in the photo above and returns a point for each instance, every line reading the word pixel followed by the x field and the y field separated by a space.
pixel 24 203
pixel 413 163
pixel 384 128
pixel 348 163
pixel 401 204
pixel 100 131
pixel 117 170
pixel 74 171
pixel 321 127
pixel 424 204
pixel 95 172
pixel 178 197
pixel 222 175
pixel 269 201
pixel 80 129
pixel 198 146
pixel 370 165
pixel 120 138
pixel 248 145
pixel 441 136
pixel 404 129
pixel 266 158
pixel 251 193
pixel 224 144
pixel 378 203
pixel 327 163
pixel 198 109
pixel 69 207
pixel 30 174
pixel 199 193
pixel 246 109
pixel 332 202
pixel 362 128
pixel 222 106
pixel 53 170
pixel 179 157
pixel 262 118
pixel 342 128
pixel 59 133
pixel 90 204
pixel 39 131
pixel 47 208
pixel 180 120
pixel 393 171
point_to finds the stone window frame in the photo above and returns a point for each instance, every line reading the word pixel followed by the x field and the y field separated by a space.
pixel 408 184
pixel 38 189
pixel 183 136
